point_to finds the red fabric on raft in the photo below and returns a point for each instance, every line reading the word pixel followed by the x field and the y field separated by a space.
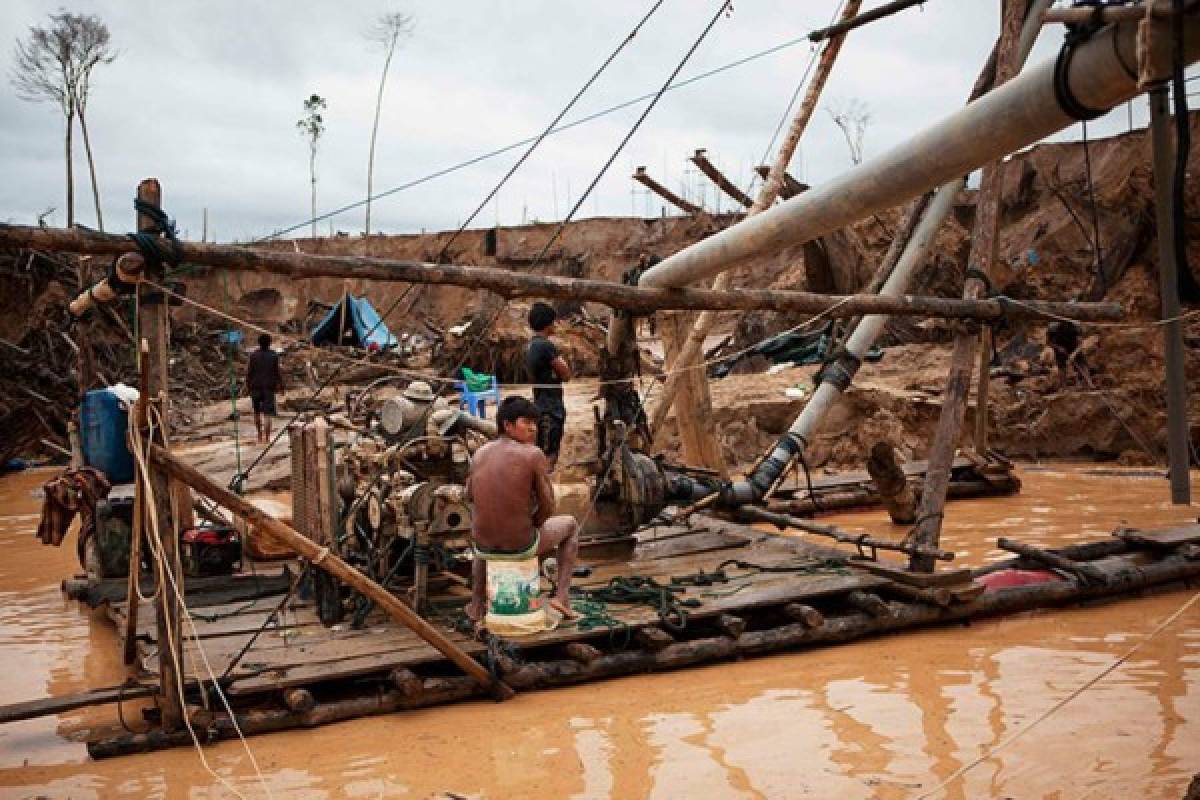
pixel 1008 578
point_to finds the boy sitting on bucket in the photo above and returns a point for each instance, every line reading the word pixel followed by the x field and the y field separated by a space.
pixel 514 506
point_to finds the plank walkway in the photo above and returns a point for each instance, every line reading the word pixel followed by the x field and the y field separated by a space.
pixel 299 650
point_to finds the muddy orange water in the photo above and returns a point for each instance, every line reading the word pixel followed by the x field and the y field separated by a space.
pixel 891 717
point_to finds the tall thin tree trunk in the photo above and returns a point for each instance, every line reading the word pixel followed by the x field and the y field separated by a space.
pixel 312 172
pixel 70 170
pixel 87 146
pixel 374 131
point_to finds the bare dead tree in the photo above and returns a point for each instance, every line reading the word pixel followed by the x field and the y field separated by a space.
pixel 92 48
pixel 386 32
pixel 44 70
pixel 852 118
pixel 311 126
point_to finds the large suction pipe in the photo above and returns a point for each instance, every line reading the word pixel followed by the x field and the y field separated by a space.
pixel 1091 77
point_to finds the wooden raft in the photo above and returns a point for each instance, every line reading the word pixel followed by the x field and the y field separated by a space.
pixel 970 476
pixel 298 650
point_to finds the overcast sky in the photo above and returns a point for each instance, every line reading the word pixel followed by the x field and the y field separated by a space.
pixel 206 95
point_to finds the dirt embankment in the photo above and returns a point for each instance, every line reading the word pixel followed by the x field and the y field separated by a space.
pixel 1116 409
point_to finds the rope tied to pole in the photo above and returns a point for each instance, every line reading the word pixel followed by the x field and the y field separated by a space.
pixel 158 244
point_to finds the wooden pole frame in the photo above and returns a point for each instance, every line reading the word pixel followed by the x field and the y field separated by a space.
pixel 928 529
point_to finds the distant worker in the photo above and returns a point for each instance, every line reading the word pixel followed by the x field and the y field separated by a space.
pixel 1063 338
pixel 547 372
pixel 513 499
pixel 263 380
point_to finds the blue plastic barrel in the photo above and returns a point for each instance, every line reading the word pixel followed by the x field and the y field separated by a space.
pixel 102 426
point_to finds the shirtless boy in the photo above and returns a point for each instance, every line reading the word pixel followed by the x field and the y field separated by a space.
pixel 514 505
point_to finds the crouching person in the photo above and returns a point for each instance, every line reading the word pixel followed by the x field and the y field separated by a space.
pixel 513 500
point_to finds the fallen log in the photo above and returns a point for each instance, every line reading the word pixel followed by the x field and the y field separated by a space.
pixel 1081 571
pixel 511 284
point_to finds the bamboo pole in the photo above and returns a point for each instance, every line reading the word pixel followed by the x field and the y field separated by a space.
pixel 515 284
pixel 692 348
pixel 319 556
pixel 983 253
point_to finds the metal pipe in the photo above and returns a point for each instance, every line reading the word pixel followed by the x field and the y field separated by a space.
pixel 841 373
pixel 1017 114
pixel 1168 282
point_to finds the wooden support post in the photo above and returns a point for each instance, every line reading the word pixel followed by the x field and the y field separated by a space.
pixel 322 558
pixel 983 250
pixel 892 484
pixel 981 392
pixel 154 324
pixel 1168 282
pixel 694 416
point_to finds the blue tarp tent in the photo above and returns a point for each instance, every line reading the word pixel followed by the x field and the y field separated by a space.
pixel 362 326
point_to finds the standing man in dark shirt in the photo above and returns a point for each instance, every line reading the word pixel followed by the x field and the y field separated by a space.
pixel 547 372
pixel 263 380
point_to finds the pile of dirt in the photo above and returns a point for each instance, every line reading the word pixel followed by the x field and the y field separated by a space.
pixel 494 340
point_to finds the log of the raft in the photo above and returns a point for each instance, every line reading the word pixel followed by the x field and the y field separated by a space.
pixel 1122 577
pixel 1082 571
pixel 1087 551
pixel 870 603
pixel 934 595
pixel 653 638
pixel 807 616
pixel 298 699
pixel 406 681
pixel 509 283
pixel 863 497
pixel 582 652
pixel 443 690
pixel 321 557
pixel 731 625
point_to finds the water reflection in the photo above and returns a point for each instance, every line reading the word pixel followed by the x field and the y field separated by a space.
pixel 886 718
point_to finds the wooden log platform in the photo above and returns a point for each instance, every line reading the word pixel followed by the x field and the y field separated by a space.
pixel 745 592
pixel 298 650
pixel 969 477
